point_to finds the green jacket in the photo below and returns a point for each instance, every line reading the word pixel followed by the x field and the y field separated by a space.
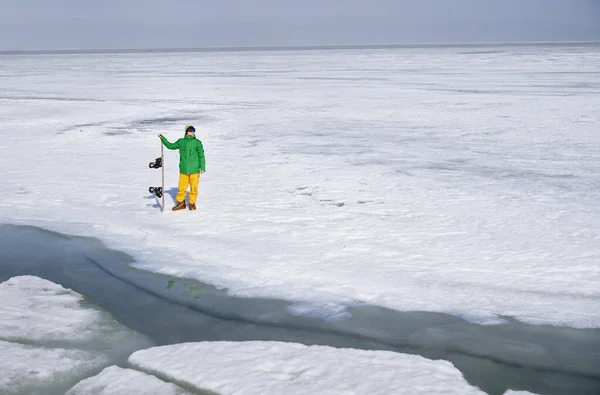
pixel 191 154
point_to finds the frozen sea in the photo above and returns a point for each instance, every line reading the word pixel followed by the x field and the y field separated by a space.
pixel 458 180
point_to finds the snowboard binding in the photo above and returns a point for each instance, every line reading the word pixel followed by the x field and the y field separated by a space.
pixel 157 191
pixel 157 164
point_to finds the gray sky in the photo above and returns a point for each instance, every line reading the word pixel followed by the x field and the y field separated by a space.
pixel 115 24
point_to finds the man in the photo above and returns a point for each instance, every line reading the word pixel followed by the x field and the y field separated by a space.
pixel 191 165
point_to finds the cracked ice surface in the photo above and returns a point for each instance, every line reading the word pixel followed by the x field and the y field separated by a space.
pixel 39 311
pixel 264 368
pixel 50 338
pixel 118 381
pixel 26 368
pixel 45 316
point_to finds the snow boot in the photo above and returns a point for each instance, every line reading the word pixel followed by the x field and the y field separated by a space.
pixel 192 206
pixel 179 206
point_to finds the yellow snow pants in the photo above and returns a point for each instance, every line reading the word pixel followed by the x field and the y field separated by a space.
pixel 186 180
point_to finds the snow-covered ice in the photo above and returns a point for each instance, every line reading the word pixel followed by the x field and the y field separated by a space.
pixel 50 338
pixel 118 381
pixel 26 369
pixel 264 368
pixel 48 359
pixel 453 180
pixel 38 311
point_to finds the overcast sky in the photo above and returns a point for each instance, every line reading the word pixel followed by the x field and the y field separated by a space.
pixel 110 24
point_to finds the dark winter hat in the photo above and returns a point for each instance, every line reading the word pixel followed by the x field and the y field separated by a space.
pixel 190 128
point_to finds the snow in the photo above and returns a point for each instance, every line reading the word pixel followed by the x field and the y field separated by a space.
pixel 50 338
pixel 25 368
pixel 264 368
pixel 38 311
pixel 463 182
pixel 117 381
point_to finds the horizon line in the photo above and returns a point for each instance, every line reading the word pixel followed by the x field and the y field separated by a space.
pixel 257 48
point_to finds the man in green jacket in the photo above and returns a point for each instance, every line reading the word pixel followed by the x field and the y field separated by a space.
pixel 191 165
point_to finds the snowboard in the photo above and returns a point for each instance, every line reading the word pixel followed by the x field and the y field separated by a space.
pixel 158 191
